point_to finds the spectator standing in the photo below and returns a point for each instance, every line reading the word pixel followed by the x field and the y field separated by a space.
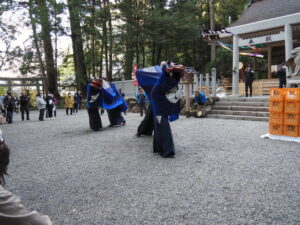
pixel 141 101
pixel 8 93
pixel 17 103
pixel 69 104
pixel 50 104
pixel 54 106
pixel 79 94
pixel 76 103
pixel 10 106
pixel 249 78
pixel 41 104
pixel 24 105
pixel 282 77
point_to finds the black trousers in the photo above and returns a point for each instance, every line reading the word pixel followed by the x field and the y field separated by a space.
pixel 23 111
pixel 248 85
pixel 282 83
pixel 67 111
pixel 115 116
pixel 41 116
pixel 75 108
pixel 142 108
pixel 146 127
pixel 94 119
pixel 163 139
pixel 50 112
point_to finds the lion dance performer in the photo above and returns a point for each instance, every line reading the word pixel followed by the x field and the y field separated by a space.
pixel 103 94
pixel 161 83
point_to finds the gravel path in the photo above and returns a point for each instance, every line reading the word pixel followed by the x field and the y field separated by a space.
pixel 223 173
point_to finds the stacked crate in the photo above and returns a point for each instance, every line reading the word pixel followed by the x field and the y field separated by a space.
pixel 292 112
pixel 285 112
pixel 276 108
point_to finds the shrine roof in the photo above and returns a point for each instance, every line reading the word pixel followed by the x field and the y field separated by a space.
pixel 267 9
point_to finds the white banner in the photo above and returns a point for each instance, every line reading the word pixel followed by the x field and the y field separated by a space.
pixel 262 40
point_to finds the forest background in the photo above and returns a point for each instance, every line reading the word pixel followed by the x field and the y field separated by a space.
pixel 108 37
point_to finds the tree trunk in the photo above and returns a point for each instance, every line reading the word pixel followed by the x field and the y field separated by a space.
pixel 46 37
pixel 110 42
pixel 77 42
pixel 212 27
pixel 37 47
pixel 93 40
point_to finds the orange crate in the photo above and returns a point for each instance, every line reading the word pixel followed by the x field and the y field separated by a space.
pixel 276 129
pixel 277 94
pixel 291 131
pixel 292 94
pixel 275 106
pixel 292 119
pixel 292 107
pixel 276 117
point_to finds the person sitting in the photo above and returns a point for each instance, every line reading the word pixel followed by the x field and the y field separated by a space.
pixel 200 98
pixel 12 212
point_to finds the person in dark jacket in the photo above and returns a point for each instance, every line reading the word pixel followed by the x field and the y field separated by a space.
pixel 79 94
pixel 24 105
pixel 282 77
pixel 141 101
pixel 249 78
pixel 49 104
pixel 10 107
pixel 76 103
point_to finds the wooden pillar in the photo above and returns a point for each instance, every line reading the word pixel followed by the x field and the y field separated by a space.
pixel 201 82
pixel 213 81
pixel 288 41
pixel 235 66
pixel 269 62
pixel 207 84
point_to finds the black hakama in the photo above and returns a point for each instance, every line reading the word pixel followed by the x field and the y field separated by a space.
pixel 146 127
pixel 94 119
pixel 163 139
pixel 115 116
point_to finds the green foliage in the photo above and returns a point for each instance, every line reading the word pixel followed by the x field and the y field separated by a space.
pixel 119 34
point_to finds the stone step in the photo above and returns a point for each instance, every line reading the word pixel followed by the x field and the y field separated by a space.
pixel 245 99
pixel 240 113
pixel 235 117
pixel 250 104
pixel 241 108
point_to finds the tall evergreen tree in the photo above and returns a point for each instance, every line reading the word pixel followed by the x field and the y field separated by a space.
pixel 75 7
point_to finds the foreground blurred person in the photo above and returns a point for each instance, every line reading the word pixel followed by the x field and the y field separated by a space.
pixel 12 212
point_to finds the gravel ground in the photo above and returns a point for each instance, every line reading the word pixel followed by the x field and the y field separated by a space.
pixel 223 173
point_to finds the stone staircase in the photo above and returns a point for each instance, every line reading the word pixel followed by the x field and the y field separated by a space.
pixel 241 108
